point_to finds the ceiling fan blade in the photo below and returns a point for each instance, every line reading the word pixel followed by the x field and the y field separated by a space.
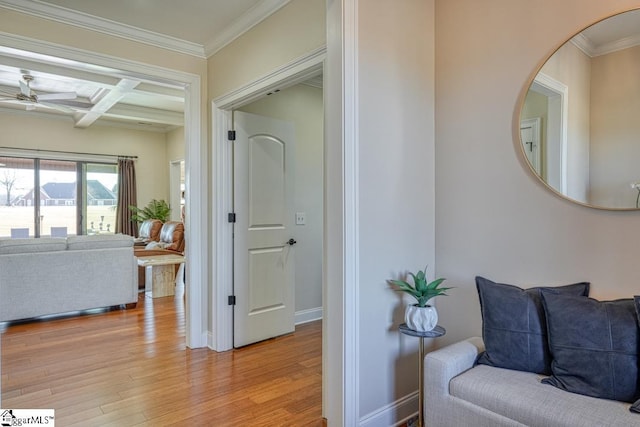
pixel 56 96
pixel 24 88
pixel 61 108
pixel 75 104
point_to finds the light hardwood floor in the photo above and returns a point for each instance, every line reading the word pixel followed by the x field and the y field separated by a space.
pixel 131 368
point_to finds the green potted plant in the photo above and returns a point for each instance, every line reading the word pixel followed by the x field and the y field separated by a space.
pixel 155 209
pixel 421 317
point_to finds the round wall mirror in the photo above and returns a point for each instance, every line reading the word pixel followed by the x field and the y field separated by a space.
pixel 580 120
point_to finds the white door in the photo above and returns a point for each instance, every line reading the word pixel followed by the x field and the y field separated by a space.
pixel 263 239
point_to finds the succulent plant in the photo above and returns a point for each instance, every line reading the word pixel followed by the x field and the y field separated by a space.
pixel 421 290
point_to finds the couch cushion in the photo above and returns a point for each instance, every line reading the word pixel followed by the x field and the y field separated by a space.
pixel 521 397
pixel 594 345
pixel 513 325
pixel 99 241
pixel 150 230
pixel 172 235
pixel 23 246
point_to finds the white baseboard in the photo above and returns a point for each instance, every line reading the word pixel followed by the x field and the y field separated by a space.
pixel 309 315
pixel 302 316
pixel 393 414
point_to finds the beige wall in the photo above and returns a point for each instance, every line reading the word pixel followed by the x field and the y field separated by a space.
pixel 396 211
pixel 569 65
pixel 291 32
pixel 303 106
pixel 615 128
pixel 30 131
pixel 175 145
pixel 493 217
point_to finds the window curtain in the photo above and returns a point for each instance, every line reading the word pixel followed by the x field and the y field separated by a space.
pixel 127 196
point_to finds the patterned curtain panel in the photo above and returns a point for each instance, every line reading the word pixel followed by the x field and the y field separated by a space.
pixel 127 196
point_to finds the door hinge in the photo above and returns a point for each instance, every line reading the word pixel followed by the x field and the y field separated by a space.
pixel 232 300
pixel 232 217
pixel 231 135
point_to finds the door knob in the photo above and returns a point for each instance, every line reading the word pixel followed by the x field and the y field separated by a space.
pixel 291 242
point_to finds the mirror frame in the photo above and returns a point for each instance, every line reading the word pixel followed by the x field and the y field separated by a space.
pixel 533 79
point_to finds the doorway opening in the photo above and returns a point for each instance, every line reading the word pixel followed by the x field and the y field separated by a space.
pixel 40 52
pixel 301 70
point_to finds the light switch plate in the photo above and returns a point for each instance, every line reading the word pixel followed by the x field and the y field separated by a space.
pixel 301 218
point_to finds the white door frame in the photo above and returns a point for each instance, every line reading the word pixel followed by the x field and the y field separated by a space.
pixel 557 94
pixel 534 124
pixel 195 160
pixel 290 74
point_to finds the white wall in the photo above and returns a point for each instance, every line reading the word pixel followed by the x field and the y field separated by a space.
pixel 303 106
pixel 493 217
pixel 32 131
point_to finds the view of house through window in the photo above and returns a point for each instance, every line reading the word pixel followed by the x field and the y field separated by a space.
pixel 73 197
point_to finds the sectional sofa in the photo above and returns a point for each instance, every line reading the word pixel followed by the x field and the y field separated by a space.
pixel 48 276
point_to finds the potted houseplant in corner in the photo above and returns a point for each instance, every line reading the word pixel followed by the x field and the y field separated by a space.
pixel 421 317
pixel 155 209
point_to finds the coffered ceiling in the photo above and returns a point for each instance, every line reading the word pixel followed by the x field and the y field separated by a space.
pixel 36 83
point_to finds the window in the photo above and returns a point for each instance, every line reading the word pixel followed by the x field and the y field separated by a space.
pixel 74 197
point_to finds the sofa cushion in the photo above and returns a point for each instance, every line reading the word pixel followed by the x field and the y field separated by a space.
pixel 149 230
pixel 99 241
pixel 521 397
pixel 594 345
pixel 23 246
pixel 636 406
pixel 172 235
pixel 513 325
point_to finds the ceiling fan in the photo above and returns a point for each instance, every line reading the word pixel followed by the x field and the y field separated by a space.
pixel 60 101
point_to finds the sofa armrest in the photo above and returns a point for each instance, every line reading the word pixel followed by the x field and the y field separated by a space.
pixel 441 365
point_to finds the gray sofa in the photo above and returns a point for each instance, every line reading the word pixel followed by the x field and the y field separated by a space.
pixel 49 276
pixel 459 393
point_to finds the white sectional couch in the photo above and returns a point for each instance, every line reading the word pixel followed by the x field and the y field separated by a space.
pixel 49 276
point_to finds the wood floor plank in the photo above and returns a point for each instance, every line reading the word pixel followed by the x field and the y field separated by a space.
pixel 132 368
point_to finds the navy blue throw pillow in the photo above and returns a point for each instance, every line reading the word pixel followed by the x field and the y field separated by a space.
pixel 594 345
pixel 636 406
pixel 514 327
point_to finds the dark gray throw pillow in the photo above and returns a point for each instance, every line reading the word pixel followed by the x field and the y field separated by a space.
pixel 513 325
pixel 594 345
pixel 636 406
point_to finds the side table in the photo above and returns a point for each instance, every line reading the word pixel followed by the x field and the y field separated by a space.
pixel 438 331
pixel 160 273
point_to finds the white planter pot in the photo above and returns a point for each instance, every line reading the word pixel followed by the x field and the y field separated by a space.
pixel 422 319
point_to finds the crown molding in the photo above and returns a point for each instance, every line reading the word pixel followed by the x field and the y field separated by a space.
pixel 83 20
pixel 248 20
pixel 584 44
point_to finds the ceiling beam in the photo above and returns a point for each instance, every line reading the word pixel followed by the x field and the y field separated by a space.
pixel 107 100
pixel 144 115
